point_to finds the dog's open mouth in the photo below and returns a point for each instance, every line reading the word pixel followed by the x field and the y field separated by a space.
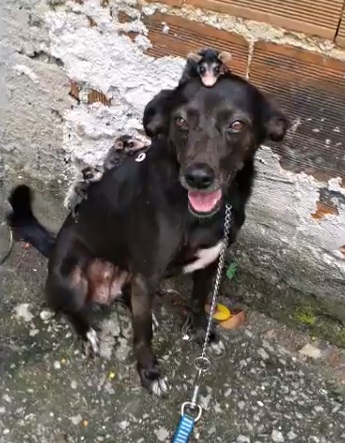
pixel 204 203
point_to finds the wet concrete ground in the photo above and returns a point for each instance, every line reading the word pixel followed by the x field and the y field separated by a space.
pixel 261 389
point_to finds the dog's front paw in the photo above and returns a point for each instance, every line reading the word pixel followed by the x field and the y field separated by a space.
pixel 198 331
pixel 155 323
pixel 151 380
pixel 92 344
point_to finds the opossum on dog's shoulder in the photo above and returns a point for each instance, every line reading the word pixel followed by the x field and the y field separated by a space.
pixel 124 146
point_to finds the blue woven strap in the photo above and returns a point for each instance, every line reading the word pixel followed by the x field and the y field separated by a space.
pixel 184 429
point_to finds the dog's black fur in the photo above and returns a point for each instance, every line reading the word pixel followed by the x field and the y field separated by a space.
pixel 139 216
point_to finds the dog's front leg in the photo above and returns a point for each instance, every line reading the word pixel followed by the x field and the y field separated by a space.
pixel 147 364
pixel 202 287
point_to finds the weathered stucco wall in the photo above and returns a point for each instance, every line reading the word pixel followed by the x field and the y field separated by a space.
pixel 80 72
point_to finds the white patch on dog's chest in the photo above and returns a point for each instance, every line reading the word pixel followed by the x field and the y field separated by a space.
pixel 204 257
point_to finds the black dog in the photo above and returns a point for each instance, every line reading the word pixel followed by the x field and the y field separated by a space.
pixel 149 219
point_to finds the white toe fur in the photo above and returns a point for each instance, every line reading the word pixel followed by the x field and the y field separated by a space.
pixel 159 387
pixel 93 339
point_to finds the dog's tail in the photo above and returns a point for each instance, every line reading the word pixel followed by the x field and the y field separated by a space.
pixel 25 225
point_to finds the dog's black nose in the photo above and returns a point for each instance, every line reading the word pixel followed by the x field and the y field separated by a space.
pixel 199 175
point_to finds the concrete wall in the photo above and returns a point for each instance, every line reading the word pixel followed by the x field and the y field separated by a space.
pixel 79 72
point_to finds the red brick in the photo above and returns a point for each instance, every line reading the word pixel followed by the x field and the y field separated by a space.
pixel 311 88
pixel 123 17
pixel 177 3
pixel 96 96
pixel 314 17
pixel 92 97
pixel 340 40
pixel 322 210
pixel 92 22
pixel 74 89
pixel 185 36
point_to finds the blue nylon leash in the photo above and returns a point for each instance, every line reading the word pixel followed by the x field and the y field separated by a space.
pixel 186 424
pixel 184 429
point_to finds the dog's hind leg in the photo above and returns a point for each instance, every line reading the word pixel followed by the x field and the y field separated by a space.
pixel 147 364
pixel 125 298
pixel 85 331
pixel 67 295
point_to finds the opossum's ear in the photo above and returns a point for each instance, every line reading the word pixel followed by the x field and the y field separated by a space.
pixel 224 57
pixel 157 113
pixel 118 145
pixel 194 56
pixel 274 120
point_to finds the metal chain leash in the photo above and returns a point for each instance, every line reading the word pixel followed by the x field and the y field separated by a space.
pixel 202 363
pixel 221 261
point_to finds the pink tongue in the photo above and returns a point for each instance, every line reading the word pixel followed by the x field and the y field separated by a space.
pixel 204 202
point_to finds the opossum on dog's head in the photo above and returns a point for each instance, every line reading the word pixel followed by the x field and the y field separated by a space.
pixel 208 64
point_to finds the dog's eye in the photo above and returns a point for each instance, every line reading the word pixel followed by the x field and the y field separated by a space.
pixel 236 126
pixel 181 123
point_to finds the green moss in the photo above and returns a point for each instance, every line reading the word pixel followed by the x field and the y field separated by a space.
pixel 295 309
pixel 340 338
pixel 305 315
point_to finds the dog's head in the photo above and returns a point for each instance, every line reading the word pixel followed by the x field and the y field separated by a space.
pixel 213 131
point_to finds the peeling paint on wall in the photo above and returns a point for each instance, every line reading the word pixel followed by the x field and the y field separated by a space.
pixel 293 198
pixel 102 59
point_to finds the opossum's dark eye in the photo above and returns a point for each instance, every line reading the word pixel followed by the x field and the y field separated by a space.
pixel 216 69
pixel 236 126
pixel 181 123
pixel 202 69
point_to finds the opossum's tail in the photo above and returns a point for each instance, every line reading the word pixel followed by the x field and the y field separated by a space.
pixel 25 225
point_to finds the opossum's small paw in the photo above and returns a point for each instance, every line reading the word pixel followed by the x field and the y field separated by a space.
pixel 72 200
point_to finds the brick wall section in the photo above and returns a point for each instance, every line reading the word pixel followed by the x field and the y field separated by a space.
pixel 310 86
pixel 314 17
pixel 317 17
pixel 185 36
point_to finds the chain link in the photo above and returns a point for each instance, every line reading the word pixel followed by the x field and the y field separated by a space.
pixel 218 279
pixel 202 363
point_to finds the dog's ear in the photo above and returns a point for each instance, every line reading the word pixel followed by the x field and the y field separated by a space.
pixel 275 122
pixel 157 113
